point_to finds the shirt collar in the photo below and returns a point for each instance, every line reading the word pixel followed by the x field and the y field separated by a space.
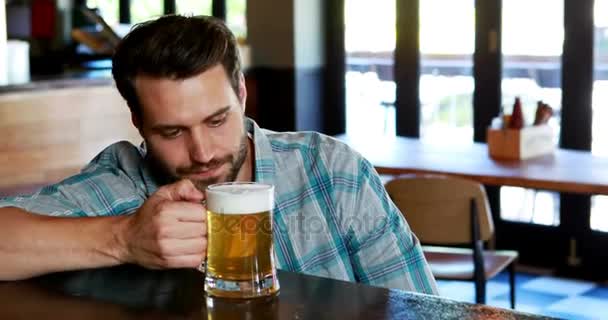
pixel 264 162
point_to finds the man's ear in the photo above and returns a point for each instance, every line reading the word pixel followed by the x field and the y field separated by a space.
pixel 136 121
pixel 242 91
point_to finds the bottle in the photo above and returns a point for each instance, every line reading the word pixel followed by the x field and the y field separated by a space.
pixel 543 113
pixel 517 116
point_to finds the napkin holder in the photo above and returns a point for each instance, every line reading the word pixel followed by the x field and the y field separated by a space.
pixel 520 144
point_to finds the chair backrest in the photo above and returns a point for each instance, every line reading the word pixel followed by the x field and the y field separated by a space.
pixel 438 208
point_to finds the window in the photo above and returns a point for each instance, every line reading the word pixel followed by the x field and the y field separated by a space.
pixel 143 10
pixel 370 35
pixel 236 18
pixel 532 49
pixel 107 8
pixel 599 142
pixel 447 42
pixel 193 7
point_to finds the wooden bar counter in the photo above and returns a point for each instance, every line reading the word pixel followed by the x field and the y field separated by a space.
pixel 131 292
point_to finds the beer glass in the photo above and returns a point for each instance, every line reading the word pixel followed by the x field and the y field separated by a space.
pixel 240 252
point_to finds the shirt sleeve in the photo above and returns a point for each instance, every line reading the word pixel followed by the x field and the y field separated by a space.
pixel 102 188
pixel 384 251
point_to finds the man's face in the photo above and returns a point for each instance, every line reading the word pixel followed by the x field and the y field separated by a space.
pixel 194 127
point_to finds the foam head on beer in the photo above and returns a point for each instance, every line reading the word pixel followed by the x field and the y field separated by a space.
pixel 240 198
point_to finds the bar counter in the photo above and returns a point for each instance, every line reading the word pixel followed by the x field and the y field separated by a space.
pixel 131 292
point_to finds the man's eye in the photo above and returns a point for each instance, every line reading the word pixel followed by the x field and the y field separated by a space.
pixel 218 121
pixel 173 133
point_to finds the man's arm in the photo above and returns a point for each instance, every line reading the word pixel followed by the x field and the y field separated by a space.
pixel 384 250
pixel 168 231
pixel 32 244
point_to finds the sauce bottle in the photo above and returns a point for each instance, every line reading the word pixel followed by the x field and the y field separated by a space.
pixel 517 116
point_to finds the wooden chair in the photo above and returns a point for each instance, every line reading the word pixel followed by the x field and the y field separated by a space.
pixel 453 212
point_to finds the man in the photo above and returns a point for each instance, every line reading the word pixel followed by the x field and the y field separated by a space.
pixel 181 79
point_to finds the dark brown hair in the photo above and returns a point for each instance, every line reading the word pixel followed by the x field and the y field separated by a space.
pixel 175 47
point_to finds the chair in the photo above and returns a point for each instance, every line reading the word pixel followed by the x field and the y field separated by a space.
pixel 453 212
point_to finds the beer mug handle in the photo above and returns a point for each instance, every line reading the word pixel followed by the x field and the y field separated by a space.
pixel 202 267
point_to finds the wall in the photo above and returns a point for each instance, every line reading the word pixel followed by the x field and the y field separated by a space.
pixel 270 32
pixel 287 51
pixel 50 135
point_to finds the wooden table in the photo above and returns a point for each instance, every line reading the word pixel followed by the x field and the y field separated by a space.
pixel 564 171
pixel 131 292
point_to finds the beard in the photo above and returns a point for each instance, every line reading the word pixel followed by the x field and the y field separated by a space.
pixel 165 175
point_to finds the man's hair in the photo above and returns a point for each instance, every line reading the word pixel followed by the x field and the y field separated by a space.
pixel 174 47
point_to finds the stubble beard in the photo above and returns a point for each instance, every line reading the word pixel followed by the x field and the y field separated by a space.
pixel 167 176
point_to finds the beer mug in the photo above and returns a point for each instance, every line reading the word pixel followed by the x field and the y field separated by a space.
pixel 240 252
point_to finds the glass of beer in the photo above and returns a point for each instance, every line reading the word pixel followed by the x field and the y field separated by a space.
pixel 240 252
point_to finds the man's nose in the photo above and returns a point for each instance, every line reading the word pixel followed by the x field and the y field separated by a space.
pixel 200 147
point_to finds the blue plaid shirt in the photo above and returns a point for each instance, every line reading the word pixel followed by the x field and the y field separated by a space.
pixel 332 216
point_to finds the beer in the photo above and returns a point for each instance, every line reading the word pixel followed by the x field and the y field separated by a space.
pixel 240 247
pixel 235 243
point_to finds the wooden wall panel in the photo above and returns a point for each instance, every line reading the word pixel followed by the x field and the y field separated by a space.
pixel 46 136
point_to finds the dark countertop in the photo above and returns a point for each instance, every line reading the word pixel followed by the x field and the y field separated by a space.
pixel 68 79
pixel 131 292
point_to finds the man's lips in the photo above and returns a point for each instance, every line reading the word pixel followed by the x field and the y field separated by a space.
pixel 205 174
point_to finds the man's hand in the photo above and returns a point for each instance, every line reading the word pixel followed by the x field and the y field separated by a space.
pixel 169 230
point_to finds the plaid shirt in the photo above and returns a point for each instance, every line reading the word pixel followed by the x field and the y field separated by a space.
pixel 332 216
